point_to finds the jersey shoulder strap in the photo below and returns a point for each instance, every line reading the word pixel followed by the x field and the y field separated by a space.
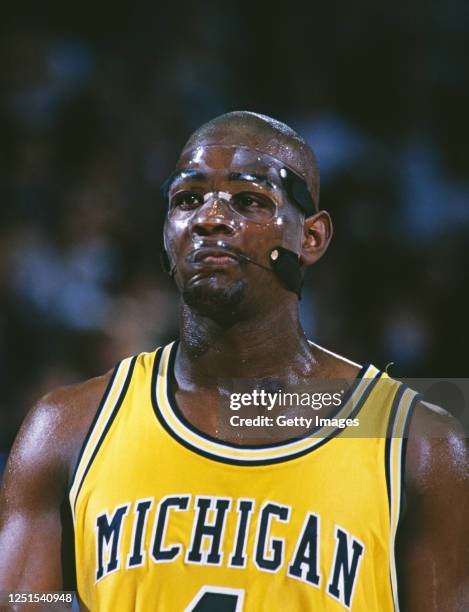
pixel 400 416
pixel 108 408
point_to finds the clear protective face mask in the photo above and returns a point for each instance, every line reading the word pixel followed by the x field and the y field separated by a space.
pixel 253 184
pixel 234 186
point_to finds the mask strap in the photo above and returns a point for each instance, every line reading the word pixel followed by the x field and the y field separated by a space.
pixel 286 265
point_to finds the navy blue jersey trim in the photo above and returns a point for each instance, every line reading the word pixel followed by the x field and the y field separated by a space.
pixel 387 451
pixel 401 492
pixel 405 438
pixel 252 462
pixel 170 384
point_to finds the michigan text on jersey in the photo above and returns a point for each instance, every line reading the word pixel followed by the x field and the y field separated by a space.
pixel 208 547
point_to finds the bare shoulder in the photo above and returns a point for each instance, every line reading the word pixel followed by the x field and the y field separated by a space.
pixel 52 433
pixel 437 451
pixel 35 484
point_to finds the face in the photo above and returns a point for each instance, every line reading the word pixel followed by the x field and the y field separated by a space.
pixel 227 208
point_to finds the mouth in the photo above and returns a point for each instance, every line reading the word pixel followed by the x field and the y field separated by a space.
pixel 214 257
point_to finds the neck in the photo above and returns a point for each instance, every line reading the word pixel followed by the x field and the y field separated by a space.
pixel 272 345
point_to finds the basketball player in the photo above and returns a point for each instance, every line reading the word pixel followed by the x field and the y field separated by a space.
pixel 172 509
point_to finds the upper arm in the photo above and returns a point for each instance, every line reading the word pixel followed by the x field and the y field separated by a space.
pixel 32 491
pixel 35 486
pixel 433 538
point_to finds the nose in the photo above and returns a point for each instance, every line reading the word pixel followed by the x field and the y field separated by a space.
pixel 213 218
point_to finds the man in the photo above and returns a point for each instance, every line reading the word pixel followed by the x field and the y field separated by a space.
pixel 174 506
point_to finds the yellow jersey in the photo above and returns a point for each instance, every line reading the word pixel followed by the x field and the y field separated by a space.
pixel 167 518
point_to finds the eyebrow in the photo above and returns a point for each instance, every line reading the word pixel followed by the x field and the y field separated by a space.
pixel 185 174
pixel 250 177
pixel 197 175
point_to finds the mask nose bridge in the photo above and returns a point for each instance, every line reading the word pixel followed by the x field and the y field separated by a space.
pixel 217 203
pixel 214 214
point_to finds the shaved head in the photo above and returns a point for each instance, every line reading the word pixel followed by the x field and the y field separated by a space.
pixel 264 134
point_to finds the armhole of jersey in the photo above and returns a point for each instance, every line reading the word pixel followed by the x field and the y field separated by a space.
pixel 105 415
pixel 67 548
pixel 400 416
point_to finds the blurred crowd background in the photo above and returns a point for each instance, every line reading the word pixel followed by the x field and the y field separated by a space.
pixel 96 101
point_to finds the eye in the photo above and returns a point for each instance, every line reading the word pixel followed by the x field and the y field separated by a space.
pixel 250 201
pixel 186 200
pixel 253 206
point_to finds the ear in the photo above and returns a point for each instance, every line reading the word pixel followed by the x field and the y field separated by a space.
pixel 317 235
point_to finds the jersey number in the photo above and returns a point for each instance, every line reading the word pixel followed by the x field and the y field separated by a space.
pixel 217 599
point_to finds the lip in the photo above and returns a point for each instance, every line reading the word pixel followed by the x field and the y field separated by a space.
pixel 214 256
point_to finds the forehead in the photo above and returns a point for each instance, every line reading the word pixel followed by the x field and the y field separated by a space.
pixel 223 159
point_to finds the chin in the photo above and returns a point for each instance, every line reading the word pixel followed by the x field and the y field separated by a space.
pixel 214 297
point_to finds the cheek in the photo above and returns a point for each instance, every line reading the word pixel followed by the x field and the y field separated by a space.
pixel 289 231
pixel 180 227
pixel 280 231
pixel 175 232
pixel 259 240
